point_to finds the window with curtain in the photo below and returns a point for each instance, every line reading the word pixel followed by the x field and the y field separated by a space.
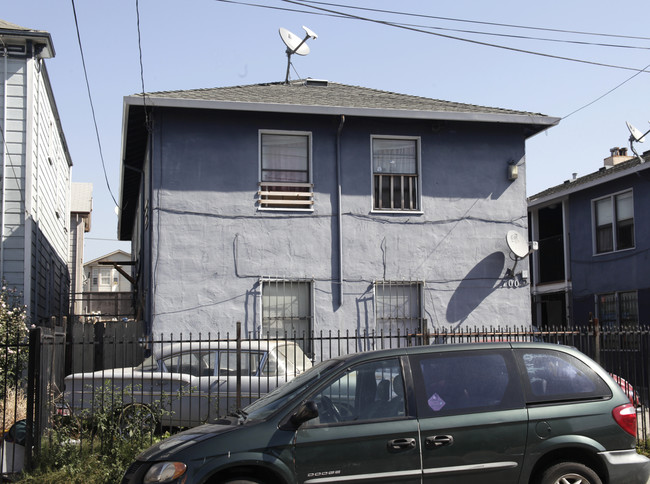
pixel 285 178
pixel 614 218
pixel 287 311
pixel 395 168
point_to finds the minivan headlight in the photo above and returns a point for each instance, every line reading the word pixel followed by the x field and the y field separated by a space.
pixel 164 472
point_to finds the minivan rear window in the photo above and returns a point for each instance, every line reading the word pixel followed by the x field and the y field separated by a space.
pixel 465 382
pixel 556 375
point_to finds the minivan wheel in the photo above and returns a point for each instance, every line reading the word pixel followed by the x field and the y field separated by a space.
pixel 570 473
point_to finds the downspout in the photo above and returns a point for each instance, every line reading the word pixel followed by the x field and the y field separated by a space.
pixel 4 166
pixel 338 209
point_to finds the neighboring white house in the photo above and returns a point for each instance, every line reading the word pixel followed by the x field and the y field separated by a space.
pixel 81 207
pixel 35 193
pixel 102 275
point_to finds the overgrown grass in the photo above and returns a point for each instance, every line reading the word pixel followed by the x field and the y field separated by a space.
pixel 13 407
pixel 97 446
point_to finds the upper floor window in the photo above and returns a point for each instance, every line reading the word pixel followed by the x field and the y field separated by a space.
pixel 395 167
pixel 285 171
pixel 614 218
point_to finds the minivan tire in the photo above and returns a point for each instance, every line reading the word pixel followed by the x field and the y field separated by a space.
pixel 570 473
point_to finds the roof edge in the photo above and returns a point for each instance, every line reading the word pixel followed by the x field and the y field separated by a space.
pixel 508 118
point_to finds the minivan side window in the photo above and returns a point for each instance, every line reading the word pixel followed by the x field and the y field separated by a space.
pixel 555 375
pixel 466 382
pixel 370 391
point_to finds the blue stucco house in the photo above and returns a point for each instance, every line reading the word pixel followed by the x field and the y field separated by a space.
pixel 594 239
pixel 317 206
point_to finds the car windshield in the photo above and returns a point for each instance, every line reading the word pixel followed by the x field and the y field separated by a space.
pixel 265 406
pixel 149 364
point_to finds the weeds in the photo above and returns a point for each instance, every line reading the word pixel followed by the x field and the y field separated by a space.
pixel 98 444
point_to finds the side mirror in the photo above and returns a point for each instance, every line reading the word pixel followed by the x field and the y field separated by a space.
pixel 305 412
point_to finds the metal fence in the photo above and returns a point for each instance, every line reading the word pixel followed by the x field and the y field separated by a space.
pixel 182 381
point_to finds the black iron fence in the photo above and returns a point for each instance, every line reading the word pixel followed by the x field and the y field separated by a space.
pixel 66 378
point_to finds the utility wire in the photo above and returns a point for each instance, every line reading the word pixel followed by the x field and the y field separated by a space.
pixel 144 96
pixel 477 42
pixel 92 107
pixel 495 24
pixel 474 32
pixel 337 14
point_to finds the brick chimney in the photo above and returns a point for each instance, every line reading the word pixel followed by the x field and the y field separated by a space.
pixel 617 155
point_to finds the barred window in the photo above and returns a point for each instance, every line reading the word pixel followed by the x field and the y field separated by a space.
pixel 395 167
pixel 398 307
pixel 287 310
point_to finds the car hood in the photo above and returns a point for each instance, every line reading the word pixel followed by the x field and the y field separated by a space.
pixel 172 445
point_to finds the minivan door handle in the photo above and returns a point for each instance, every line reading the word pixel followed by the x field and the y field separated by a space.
pixel 438 441
pixel 401 444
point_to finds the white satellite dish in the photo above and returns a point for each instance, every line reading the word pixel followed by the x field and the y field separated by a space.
pixel 635 134
pixel 295 45
pixel 517 244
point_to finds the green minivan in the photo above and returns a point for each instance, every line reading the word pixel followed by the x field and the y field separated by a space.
pixel 496 412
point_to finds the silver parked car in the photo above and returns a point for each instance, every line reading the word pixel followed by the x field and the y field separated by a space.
pixel 189 383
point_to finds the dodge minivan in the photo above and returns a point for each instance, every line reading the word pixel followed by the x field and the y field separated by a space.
pixel 528 413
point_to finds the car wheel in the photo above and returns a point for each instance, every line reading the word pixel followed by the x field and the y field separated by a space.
pixel 570 473
pixel 137 420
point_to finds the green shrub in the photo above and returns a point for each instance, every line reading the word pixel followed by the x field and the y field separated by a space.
pixel 13 339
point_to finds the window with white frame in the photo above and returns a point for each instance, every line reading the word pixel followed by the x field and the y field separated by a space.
pixel 395 168
pixel 105 277
pixel 285 171
pixel 287 311
pixel 398 307
pixel 614 222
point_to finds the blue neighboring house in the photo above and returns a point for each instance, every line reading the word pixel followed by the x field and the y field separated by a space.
pixel 594 240
pixel 318 206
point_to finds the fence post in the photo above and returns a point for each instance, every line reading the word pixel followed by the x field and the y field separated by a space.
pixel 597 340
pixel 33 389
pixel 98 346
pixel 238 399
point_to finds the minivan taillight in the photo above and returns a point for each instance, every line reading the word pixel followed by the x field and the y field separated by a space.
pixel 625 416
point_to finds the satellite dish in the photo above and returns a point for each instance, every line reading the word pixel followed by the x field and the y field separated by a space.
pixel 295 45
pixel 517 244
pixel 635 134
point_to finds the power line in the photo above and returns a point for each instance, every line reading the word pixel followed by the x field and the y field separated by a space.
pixel 477 42
pixel 495 24
pixel 92 107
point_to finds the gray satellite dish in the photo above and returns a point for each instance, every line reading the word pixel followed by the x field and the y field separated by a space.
pixel 295 45
pixel 517 244
pixel 635 134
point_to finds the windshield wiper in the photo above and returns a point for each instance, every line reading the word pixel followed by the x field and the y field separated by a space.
pixel 240 414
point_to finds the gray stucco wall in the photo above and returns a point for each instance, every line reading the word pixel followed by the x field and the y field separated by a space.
pixel 211 245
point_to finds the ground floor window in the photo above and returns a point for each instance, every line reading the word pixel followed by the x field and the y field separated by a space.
pixel 398 307
pixel 617 310
pixel 287 310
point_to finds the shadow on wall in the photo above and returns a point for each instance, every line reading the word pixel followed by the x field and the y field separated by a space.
pixel 477 285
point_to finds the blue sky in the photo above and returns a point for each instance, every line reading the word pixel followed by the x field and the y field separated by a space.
pixel 207 43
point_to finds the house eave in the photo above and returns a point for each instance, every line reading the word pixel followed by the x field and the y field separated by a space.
pixel 578 187
pixel 539 122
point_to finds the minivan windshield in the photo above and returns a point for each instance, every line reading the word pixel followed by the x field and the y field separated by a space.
pixel 266 405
